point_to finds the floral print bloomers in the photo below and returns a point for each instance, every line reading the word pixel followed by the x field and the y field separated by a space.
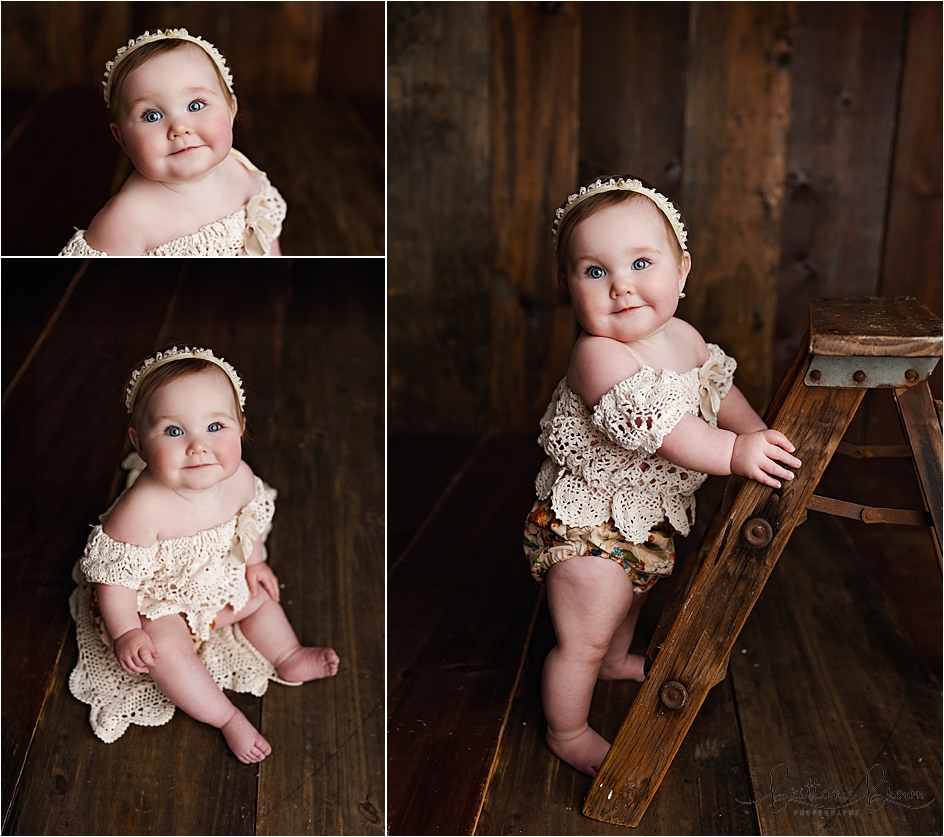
pixel 548 541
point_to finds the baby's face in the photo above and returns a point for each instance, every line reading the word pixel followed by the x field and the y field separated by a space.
pixel 175 122
pixel 622 274
pixel 191 437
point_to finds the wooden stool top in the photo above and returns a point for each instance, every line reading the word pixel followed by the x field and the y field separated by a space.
pixel 874 327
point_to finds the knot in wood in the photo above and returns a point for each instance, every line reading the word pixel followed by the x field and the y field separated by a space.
pixel 757 532
pixel 673 694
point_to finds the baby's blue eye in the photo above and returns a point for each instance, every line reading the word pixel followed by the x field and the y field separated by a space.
pixel 596 273
pixel 152 116
pixel 640 264
pixel 213 428
pixel 195 105
pixel 174 431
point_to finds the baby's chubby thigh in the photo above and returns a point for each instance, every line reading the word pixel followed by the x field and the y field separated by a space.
pixel 228 616
pixel 588 597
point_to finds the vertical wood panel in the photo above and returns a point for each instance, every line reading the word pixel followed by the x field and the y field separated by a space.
pixel 533 111
pixel 737 111
pixel 846 72
pixel 632 91
pixel 437 210
pixel 912 259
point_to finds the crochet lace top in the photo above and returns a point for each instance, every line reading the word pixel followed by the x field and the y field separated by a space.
pixel 196 576
pixel 602 463
pixel 249 231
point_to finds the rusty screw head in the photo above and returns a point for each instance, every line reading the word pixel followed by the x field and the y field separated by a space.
pixel 673 694
pixel 911 375
pixel 815 375
pixel 858 376
pixel 757 532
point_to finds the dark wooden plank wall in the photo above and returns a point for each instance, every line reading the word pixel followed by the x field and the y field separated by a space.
pixel 308 338
pixel 802 140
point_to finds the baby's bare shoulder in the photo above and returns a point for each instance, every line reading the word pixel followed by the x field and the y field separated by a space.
pixel 598 364
pixel 136 517
pixel 685 335
pixel 121 226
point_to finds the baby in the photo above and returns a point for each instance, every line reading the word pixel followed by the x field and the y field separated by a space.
pixel 175 601
pixel 191 193
pixel 646 411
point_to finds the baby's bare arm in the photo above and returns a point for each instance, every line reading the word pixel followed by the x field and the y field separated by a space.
pixel 698 446
pixel 133 647
pixel 738 415
pixel 260 575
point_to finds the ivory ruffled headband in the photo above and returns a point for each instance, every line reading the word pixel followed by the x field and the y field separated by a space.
pixel 628 185
pixel 169 356
pixel 161 35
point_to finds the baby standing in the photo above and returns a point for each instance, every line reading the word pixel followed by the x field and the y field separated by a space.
pixel 175 599
pixel 191 194
pixel 646 411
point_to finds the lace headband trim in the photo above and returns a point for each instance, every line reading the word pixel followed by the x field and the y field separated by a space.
pixel 160 35
pixel 169 356
pixel 629 185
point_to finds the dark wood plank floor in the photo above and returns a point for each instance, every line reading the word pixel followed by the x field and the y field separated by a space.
pixel 316 150
pixel 307 337
pixel 840 671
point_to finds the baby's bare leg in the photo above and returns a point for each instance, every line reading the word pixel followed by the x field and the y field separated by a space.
pixel 619 664
pixel 589 598
pixel 184 679
pixel 265 625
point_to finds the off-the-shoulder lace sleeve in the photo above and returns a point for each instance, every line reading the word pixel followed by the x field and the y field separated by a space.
pixel 641 411
pixel 77 246
pixel 108 561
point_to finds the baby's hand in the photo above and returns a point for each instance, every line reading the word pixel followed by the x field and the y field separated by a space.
pixel 260 577
pixel 756 455
pixel 135 651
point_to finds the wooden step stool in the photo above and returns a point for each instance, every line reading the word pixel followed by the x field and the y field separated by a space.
pixel 853 345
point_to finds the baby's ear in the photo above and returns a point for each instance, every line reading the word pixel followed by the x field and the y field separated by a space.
pixel 135 440
pixel 116 133
pixel 233 106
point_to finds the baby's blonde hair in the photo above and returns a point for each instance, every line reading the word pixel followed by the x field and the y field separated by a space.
pixel 596 203
pixel 171 372
pixel 146 53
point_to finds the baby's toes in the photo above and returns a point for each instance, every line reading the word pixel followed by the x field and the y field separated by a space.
pixel 331 662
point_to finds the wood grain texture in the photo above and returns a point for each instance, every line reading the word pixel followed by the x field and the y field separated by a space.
pixel 833 700
pixel 727 587
pixel 633 60
pixel 533 105
pixel 456 641
pixel 911 261
pixel 845 98
pixel 736 122
pixel 438 200
pixel 874 327
pixel 275 323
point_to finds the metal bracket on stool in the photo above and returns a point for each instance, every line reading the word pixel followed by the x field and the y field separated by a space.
pixel 868 372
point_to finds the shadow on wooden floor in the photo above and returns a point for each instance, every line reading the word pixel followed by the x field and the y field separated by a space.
pixel 61 164
pixel 837 670
pixel 307 339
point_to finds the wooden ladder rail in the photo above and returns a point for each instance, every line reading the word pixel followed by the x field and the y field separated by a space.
pixel 718 589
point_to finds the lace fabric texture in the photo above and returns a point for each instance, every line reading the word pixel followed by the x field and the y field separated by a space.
pixel 602 463
pixel 249 231
pixel 196 576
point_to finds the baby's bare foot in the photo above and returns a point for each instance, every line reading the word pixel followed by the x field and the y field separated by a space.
pixel 244 739
pixel 584 751
pixel 309 663
pixel 631 667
